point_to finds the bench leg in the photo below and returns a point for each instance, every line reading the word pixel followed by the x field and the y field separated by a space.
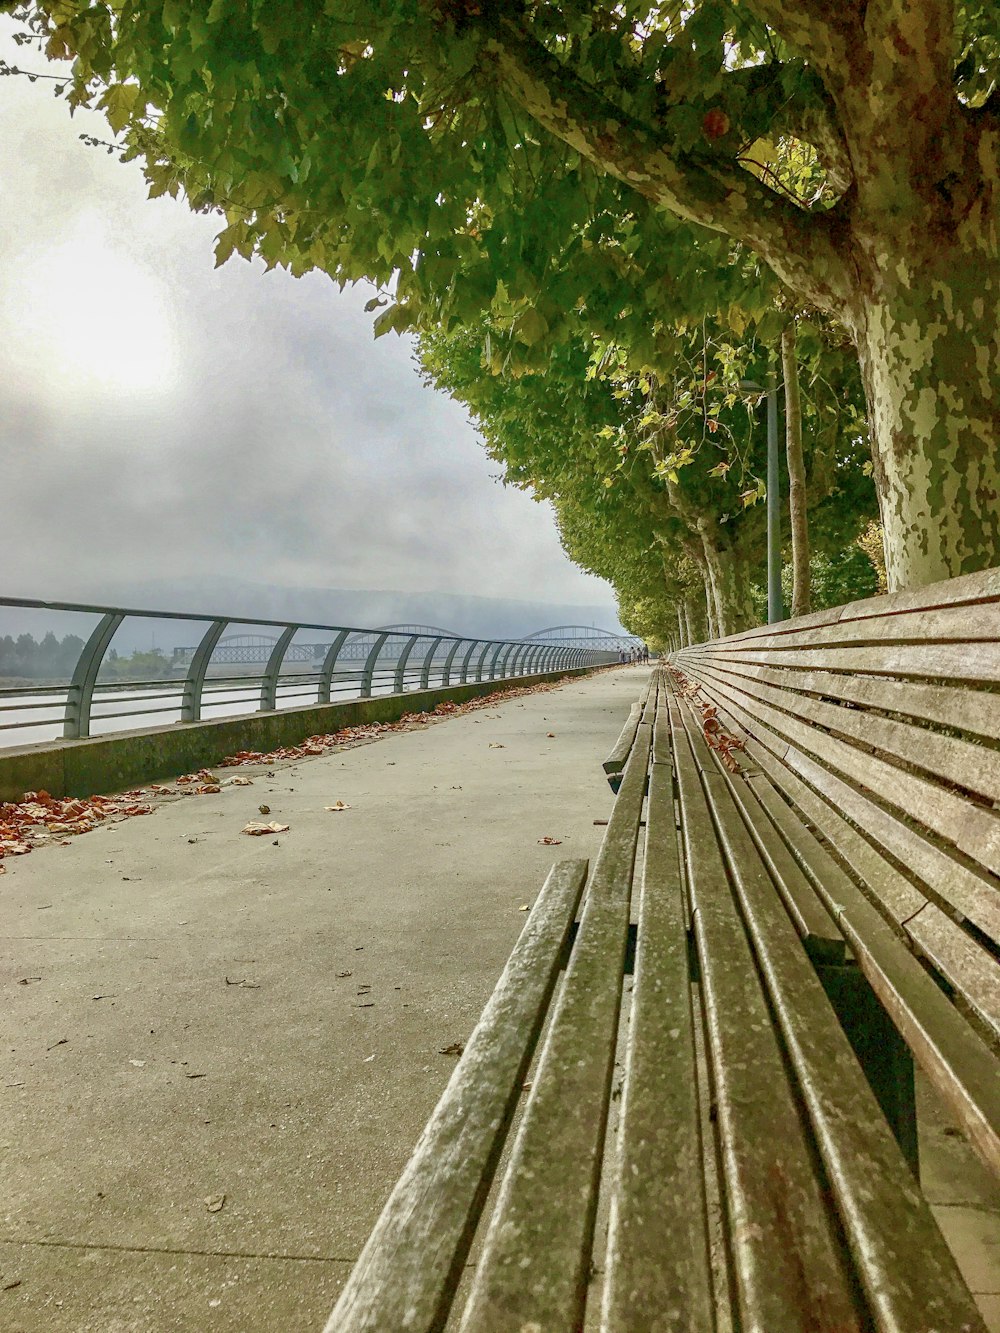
pixel 883 1054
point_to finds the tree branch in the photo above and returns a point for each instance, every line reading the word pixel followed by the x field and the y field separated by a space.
pixel 806 251
pixel 829 36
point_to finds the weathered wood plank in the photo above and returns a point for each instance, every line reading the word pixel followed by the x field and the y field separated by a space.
pixel 964 964
pixel 954 1057
pixel 615 761
pixel 814 924
pixel 536 1255
pixel 788 1267
pixel 958 624
pixel 948 758
pixel 978 663
pixel 407 1272
pixel 963 591
pixel 972 829
pixel 974 711
pixel 883 1213
pixel 657 1273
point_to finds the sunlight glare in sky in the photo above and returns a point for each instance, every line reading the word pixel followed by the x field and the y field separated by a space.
pixel 96 319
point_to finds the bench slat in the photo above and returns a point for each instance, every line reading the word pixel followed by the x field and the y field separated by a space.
pixel 615 761
pixel 815 926
pixel 961 961
pixel 951 624
pixel 788 1268
pixel 973 830
pixel 658 1272
pixel 978 663
pixel 954 1057
pixel 974 711
pixel 536 1256
pixel 407 1272
pixel 882 1210
pixel 965 590
pixel 948 758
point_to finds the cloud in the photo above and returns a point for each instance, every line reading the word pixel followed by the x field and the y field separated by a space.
pixel 163 417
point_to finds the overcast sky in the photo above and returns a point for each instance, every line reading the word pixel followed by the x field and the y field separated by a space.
pixel 161 417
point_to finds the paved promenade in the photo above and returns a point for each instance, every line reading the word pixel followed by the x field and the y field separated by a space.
pixel 219 1052
pixel 189 1012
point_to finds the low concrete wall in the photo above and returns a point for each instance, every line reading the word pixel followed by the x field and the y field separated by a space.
pixel 124 759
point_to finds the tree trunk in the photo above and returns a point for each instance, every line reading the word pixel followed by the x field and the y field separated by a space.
pixel 798 521
pixel 730 586
pixel 680 626
pixel 688 628
pixel 712 632
pixel 931 364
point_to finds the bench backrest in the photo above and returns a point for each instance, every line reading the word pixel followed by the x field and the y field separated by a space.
pixel 880 722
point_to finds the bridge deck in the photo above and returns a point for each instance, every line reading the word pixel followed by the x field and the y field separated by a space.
pixel 190 1013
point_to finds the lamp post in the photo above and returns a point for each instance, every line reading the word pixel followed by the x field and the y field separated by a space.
pixel 775 603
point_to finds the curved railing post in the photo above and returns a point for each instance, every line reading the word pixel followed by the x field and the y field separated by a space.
pixel 493 661
pixel 79 697
pixel 269 683
pixel 194 681
pixel 425 674
pixel 399 680
pixel 467 659
pixel 446 673
pixel 482 658
pixel 536 659
pixel 520 657
pixel 369 667
pixel 501 667
pixel 329 662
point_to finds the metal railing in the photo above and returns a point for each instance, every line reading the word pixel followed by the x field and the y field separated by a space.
pixel 198 682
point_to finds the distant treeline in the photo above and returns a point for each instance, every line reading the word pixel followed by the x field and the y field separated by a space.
pixel 54 659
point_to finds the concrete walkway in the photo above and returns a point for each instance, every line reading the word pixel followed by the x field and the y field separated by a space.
pixel 190 1013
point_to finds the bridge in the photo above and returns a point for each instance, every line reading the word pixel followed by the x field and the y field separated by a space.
pixel 254 649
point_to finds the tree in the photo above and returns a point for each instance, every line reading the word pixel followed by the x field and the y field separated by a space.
pixel 382 139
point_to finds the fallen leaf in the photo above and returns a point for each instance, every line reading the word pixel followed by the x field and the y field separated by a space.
pixel 250 985
pixel 264 809
pixel 455 1048
pixel 257 829
pixel 215 1203
pixel 524 908
pixel 345 974
pixel 238 782
pixel 196 1076
pixel 550 842
pixel 63 1041
pixel 495 745
pixel 337 805
pixel 139 1064
pixel 551 735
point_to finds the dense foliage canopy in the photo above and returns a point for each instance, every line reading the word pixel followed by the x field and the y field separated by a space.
pixel 650 169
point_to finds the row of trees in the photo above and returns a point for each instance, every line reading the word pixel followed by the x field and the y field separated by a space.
pixel 52 659
pixel 603 219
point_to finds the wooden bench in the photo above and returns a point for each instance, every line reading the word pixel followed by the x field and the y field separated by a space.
pixel 749 1168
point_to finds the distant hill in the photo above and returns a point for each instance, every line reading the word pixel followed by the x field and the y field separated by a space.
pixel 486 617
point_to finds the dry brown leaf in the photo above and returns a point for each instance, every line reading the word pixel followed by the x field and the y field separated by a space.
pixel 215 1202
pixel 337 805
pixel 550 842
pixel 495 745
pixel 256 829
